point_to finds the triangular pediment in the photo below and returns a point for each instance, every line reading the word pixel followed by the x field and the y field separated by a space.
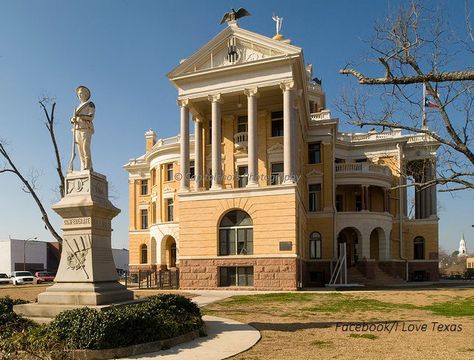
pixel 233 46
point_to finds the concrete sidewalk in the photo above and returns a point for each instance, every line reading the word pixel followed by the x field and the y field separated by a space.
pixel 224 338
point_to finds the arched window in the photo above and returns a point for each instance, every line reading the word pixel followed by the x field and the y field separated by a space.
pixel 419 248
pixel 315 245
pixel 143 254
pixel 236 234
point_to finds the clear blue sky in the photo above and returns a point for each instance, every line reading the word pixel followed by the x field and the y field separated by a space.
pixel 122 51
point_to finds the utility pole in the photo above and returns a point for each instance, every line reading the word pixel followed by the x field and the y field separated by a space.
pixel 24 251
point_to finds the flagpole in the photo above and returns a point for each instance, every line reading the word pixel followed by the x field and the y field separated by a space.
pixel 423 121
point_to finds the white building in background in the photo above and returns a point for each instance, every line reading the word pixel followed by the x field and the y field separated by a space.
pixel 462 247
pixel 120 259
pixel 34 255
pixel 16 254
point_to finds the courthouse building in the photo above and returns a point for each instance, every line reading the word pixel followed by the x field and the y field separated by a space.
pixel 267 188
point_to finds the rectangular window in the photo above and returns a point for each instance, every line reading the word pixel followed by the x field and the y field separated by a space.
pixel 144 187
pixel 277 123
pixel 169 209
pixel 242 124
pixel 169 172
pixel 315 249
pixel 236 276
pixel 314 197
pixel 144 217
pixel 209 138
pixel 243 176
pixel 277 174
pixel 236 241
pixel 153 177
pixel 314 153
pixel 339 202
pixel 191 169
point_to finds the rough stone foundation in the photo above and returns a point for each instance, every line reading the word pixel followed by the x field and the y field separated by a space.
pixel 269 273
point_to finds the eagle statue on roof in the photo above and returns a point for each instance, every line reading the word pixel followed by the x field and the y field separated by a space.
pixel 234 15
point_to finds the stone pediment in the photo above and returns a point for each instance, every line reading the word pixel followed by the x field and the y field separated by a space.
pixel 233 46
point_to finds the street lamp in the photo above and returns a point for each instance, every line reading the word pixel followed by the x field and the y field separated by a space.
pixel 24 251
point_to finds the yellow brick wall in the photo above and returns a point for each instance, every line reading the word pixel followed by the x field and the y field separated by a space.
pixel 412 229
pixel 274 220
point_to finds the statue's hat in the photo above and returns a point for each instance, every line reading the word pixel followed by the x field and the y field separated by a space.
pixel 84 88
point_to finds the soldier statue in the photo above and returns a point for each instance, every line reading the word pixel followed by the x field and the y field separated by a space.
pixel 83 128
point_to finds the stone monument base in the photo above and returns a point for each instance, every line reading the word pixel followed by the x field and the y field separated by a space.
pixel 86 294
pixel 86 275
pixel 45 313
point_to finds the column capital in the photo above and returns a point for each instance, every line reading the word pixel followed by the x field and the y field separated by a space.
pixel 216 98
pixel 197 119
pixel 252 92
pixel 183 102
pixel 287 85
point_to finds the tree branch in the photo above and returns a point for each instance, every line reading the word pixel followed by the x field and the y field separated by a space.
pixel 416 79
pixel 49 123
pixel 31 191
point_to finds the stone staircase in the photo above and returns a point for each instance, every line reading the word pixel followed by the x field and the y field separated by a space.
pixel 354 276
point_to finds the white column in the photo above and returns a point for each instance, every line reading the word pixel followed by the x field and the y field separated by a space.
pixel 252 152
pixel 434 204
pixel 198 154
pixel 184 145
pixel 288 132
pixel 216 101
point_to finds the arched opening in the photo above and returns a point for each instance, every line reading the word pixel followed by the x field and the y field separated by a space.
pixel 168 252
pixel 315 245
pixel 143 254
pixel 352 238
pixel 374 245
pixel 236 234
pixel 419 248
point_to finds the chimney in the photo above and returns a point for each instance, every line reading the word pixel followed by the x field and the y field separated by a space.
pixel 150 139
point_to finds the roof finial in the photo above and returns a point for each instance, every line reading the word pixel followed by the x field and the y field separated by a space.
pixel 278 21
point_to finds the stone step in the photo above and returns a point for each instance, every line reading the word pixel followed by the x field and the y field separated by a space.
pixel 381 277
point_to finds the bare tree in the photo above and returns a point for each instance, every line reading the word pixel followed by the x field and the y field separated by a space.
pixel 416 47
pixel 29 180
pixel 49 123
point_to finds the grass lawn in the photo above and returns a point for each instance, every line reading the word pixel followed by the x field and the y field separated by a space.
pixel 435 323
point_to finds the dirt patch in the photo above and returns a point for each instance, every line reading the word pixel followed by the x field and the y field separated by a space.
pixel 295 330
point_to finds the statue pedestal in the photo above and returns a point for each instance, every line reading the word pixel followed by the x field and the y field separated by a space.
pixel 87 275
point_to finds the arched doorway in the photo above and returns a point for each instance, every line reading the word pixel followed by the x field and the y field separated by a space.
pixel 352 238
pixel 374 245
pixel 168 252
pixel 379 247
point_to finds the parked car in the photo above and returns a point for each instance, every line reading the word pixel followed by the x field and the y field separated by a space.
pixel 4 279
pixel 22 277
pixel 44 276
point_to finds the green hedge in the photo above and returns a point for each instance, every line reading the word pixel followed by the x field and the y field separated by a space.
pixel 156 318
pixel 10 322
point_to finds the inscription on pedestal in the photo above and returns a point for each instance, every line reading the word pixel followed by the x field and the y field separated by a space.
pixel 77 221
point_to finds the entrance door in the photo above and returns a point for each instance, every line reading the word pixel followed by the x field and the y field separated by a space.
pixel 173 255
